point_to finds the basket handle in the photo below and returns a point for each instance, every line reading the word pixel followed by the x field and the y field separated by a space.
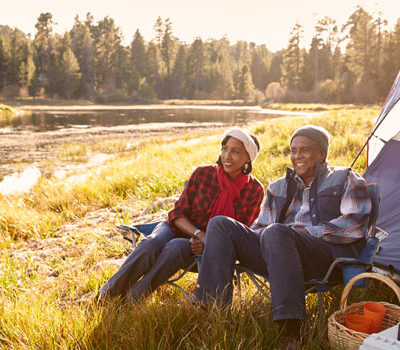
pixel 384 279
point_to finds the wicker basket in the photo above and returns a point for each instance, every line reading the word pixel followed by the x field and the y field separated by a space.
pixel 341 337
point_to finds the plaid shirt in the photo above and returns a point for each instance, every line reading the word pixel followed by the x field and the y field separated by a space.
pixel 346 228
pixel 201 192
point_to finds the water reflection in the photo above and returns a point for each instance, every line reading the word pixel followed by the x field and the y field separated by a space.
pixel 19 182
pixel 41 121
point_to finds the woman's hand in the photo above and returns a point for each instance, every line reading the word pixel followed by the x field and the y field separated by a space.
pixel 197 244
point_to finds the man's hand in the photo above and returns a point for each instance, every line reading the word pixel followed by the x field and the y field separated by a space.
pixel 197 244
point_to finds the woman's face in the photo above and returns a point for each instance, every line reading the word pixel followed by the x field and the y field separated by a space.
pixel 234 156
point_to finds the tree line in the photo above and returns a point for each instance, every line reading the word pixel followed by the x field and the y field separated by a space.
pixel 354 63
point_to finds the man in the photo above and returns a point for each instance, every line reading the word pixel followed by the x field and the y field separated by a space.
pixel 310 217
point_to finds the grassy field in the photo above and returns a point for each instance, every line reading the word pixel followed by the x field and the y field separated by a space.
pixel 59 245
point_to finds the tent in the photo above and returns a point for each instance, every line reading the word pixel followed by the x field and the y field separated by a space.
pixel 384 168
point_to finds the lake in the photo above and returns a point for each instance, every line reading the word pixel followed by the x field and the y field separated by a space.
pixel 53 118
pixel 30 142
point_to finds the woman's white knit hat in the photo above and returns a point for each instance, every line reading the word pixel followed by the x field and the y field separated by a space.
pixel 248 142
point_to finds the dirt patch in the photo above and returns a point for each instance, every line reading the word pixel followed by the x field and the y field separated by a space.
pixel 96 226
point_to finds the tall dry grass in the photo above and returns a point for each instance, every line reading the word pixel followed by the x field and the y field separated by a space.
pixel 44 274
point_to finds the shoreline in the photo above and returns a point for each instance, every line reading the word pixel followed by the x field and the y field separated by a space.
pixel 40 150
pixel 254 109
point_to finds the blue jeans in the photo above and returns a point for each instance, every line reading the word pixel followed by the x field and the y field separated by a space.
pixel 157 257
pixel 288 257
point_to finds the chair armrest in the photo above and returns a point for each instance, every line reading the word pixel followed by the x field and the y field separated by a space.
pixel 343 261
pixel 351 261
pixel 129 228
pixel 130 233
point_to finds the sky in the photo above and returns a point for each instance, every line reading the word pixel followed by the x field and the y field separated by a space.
pixel 260 21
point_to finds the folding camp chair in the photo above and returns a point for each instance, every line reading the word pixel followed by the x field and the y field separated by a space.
pixel 133 232
pixel 350 266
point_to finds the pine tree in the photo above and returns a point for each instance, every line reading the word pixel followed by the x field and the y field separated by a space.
pixel 83 48
pixel 292 65
pixel 260 57
pixel 26 65
pixel 178 74
pixel 275 72
pixel 168 55
pixel 390 59
pixel 107 41
pixel 245 83
pixel 362 53
pixel 159 29
pixel 138 53
pixel 225 87
pixel 195 68
pixel 69 74
pixel 43 44
pixel 152 77
pixel 380 24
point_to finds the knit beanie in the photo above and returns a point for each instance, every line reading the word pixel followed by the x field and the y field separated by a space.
pixel 316 133
pixel 248 142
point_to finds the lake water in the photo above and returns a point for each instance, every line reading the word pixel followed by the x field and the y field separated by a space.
pixel 86 117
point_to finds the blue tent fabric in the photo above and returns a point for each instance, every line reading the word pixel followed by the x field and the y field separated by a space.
pixel 385 170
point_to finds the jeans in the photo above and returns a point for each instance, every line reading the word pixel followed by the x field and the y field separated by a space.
pixel 157 257
pixel 288 257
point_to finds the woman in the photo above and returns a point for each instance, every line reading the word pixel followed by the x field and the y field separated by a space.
pixel 222 189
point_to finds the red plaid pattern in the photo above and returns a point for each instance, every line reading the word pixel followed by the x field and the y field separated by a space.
pixel 201 192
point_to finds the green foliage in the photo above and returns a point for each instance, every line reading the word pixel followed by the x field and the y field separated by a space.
pixel 83 47
pixel 166 68
pixel 107 43
pixel 293 60
pixel 43 44
pixel 178 74
pixel 138 53
pixel 69 74
pixel 245 85
pixel 195 68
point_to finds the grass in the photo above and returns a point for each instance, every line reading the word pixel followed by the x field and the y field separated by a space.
pixel 80 153
pixel 178 102
pixel 58 243
pixel 31 101
pixel 313 107
pixel 7 113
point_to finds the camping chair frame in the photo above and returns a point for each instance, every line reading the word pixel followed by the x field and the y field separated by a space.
pixel 133 232
pixel 350 266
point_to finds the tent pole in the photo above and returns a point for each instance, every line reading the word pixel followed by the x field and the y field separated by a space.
pixel 369 137
pixel 362 149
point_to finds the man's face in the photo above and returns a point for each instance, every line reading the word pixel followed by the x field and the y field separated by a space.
pixel 305 154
